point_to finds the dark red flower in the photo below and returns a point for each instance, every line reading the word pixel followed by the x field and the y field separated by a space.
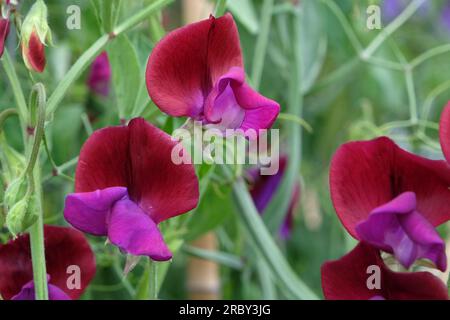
pixel 392 199
pixel 64 247
pixel 197 71
pixel 126 184
pixel 348 279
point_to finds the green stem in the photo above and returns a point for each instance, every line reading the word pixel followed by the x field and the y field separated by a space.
pixel 271 254
pixel 261 43
pixel 37 244
pixel 34 176
pixel 356 44
pixel 392 27
pixel 275 211
pixel 17 90
pixel 411 96
pixel 221 6
pixel 153 285
pixel 86 58
pixel 5 114
pixel 429 54
pixel 39 90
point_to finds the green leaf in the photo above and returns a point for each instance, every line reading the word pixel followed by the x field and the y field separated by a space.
pixel 215 206
pixel 126 75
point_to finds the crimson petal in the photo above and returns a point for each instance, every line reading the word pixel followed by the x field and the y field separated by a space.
pixel 34 53
pixel 64 247
pixel 138 157
pixel 185 64
pixel 4 31
pixel 367 174
pixel 103 160
pixel 347 279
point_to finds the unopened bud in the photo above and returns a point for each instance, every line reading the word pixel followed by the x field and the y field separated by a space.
pixel 14 193
pixel 4 31
pixel 22 215
pixel 35 34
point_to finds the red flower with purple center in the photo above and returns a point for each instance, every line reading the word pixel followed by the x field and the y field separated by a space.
pixel 64 247
pixel 126 184
pixel 392 199
pixel 197 71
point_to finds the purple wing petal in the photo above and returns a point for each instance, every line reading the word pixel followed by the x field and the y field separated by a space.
pixel 28 293
pixel 398 228
pixel 88 211
pixel 133 231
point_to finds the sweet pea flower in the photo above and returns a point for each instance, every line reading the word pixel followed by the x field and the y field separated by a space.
pixel 100 75
pixel 392 199
pixel 348 278
pixel 64 247
pixel 263 188
pixel 197 71
pixel 126 184
pixel 4 31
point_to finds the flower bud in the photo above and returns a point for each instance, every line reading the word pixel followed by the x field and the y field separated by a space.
pixel 12 162
pixel 15 192
pixel 22 215
pixel 4 31
pixel 35 33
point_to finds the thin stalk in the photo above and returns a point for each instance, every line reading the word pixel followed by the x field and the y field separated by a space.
pixel 411 96
pixel 37 244
pixel 153 285
pixel 429 54
pixel 261 43
pixel 270 253
pixel 392 27
pixel 34 176
pixel 17 90
pixel 221 6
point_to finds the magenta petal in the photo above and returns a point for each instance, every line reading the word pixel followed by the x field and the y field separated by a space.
pixel 88 211
pixel 398 228
pixel 4 31
pixel 133 231
pixel 234 104
pixel 28 293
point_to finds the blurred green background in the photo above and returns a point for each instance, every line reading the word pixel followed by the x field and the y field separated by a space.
pixel 343 95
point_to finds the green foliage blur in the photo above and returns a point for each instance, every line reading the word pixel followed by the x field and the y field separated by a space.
pixel 344 98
